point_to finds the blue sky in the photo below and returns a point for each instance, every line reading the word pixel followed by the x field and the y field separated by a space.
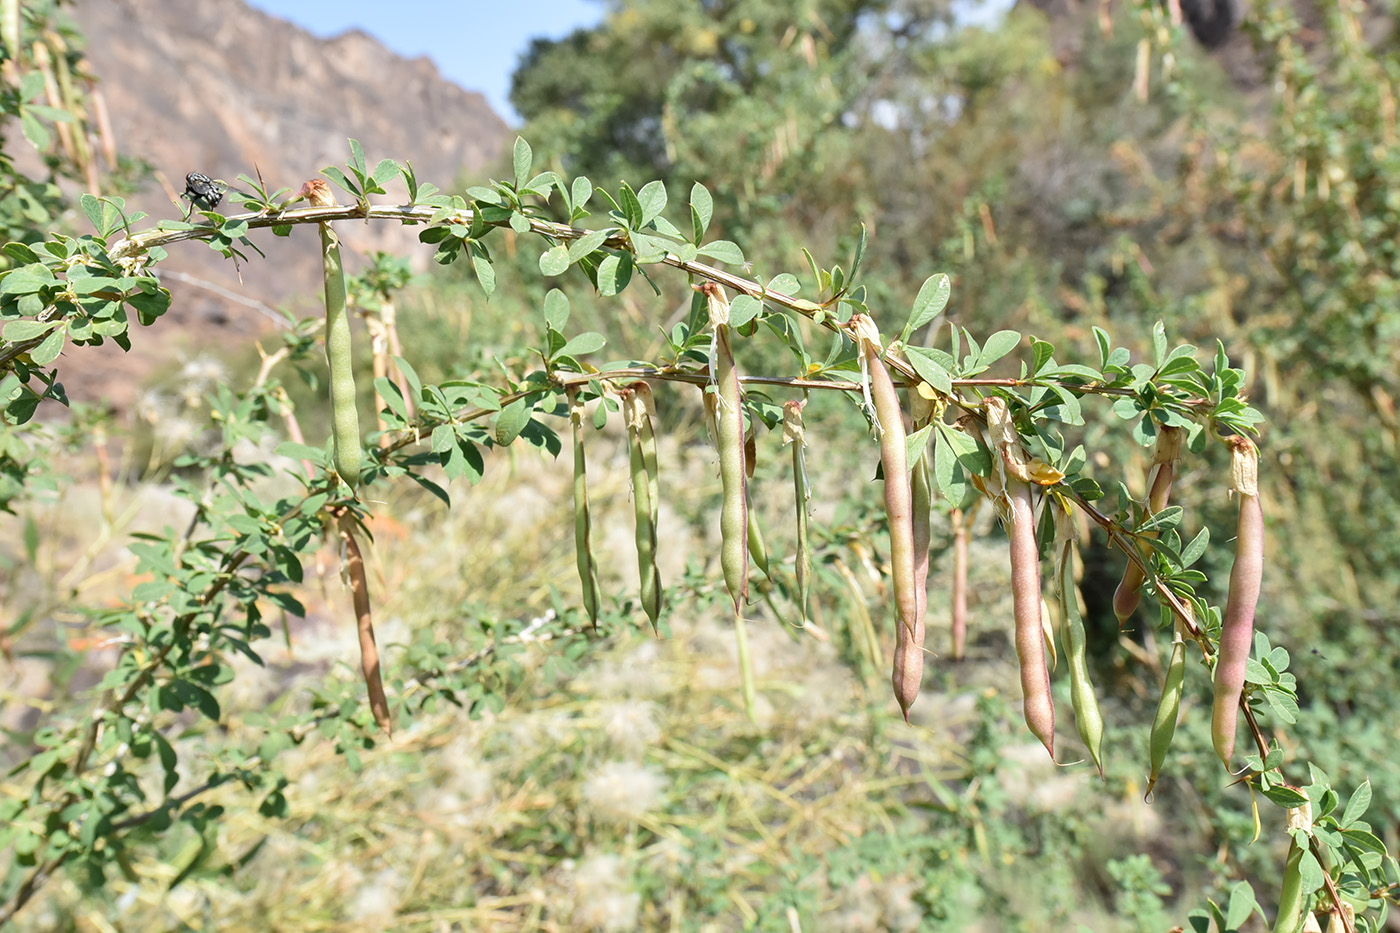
pixel 475 43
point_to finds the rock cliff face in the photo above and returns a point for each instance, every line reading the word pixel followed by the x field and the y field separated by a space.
pixel 217 87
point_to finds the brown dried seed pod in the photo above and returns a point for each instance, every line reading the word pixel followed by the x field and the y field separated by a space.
pixel 369 651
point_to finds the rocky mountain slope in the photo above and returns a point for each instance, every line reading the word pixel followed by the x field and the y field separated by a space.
pixel 218 87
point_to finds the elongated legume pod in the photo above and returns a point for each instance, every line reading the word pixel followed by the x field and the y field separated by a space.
pixel 729 439
pixel 757 549
pixel 1237 625
pixel 794 433
pixel 583 522
pixel 921 501
pixel 1018 514
pixel 1159 489
pixel 1088 721
pixel 345 416
pixel 1292 899
pixel 635 409
pixel 364 619
pixel 908 669
pixel 1168 710
pixel 894 461
pixel 959 606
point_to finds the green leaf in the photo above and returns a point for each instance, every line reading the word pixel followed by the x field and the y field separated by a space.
pixel 555 260
pixel 589 342
pixel 997 346
pixel 1242 905
pixel 930 370
pixel 581 191
pixel 916 443
pixel 652 199
pixel 520 162
pixel 930 302
pixel 19 331
pixel 702 208
pixel 1285 797
pixel 52 345
pixel 650 248
pixel 34 131
pixel 26 280
pixel 947 473
pixel 614 273
pixel 1040 355
pixel 742 309
pixel 92 207
pixel 586 244
pixel 384 171
pixel 512 420
pixel 556 309
pixel 974 457
pixel 1357 805
pixel 724 251
pixel 357 157
pixel 485 273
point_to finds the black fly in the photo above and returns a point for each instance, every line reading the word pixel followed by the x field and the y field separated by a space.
pixel 204 192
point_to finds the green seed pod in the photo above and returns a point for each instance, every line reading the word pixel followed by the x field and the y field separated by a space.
pixel 757 549
pixel 1159 485
pixel 959 607
pixel 729 439
pixel 1237 625
pixel 1292 899
pixel 636 407
pixel 794 433
pixel 1087 718
pixel 345 416
pixel 583 522
pixel 1168 710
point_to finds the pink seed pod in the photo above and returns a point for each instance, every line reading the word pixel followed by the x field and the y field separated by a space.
pixel 1009 486
pixel 1246 577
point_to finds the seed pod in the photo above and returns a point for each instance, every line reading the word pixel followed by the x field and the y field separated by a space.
pixel 345 416
pixel 959 608
pixel 1012 494
pixel 894 461
pixel 1159 485
pixel 636 408
pixel 1292 899
pixel 1168 710
pixel 1047 635
pixel 794 433
pixel 1037 705
pixel 583 522
pixel 908 670
pixel 1237 625
pixel 921 500
pixel 1087 718
pixel 757 549
pixel 729 439
pixel 369 651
